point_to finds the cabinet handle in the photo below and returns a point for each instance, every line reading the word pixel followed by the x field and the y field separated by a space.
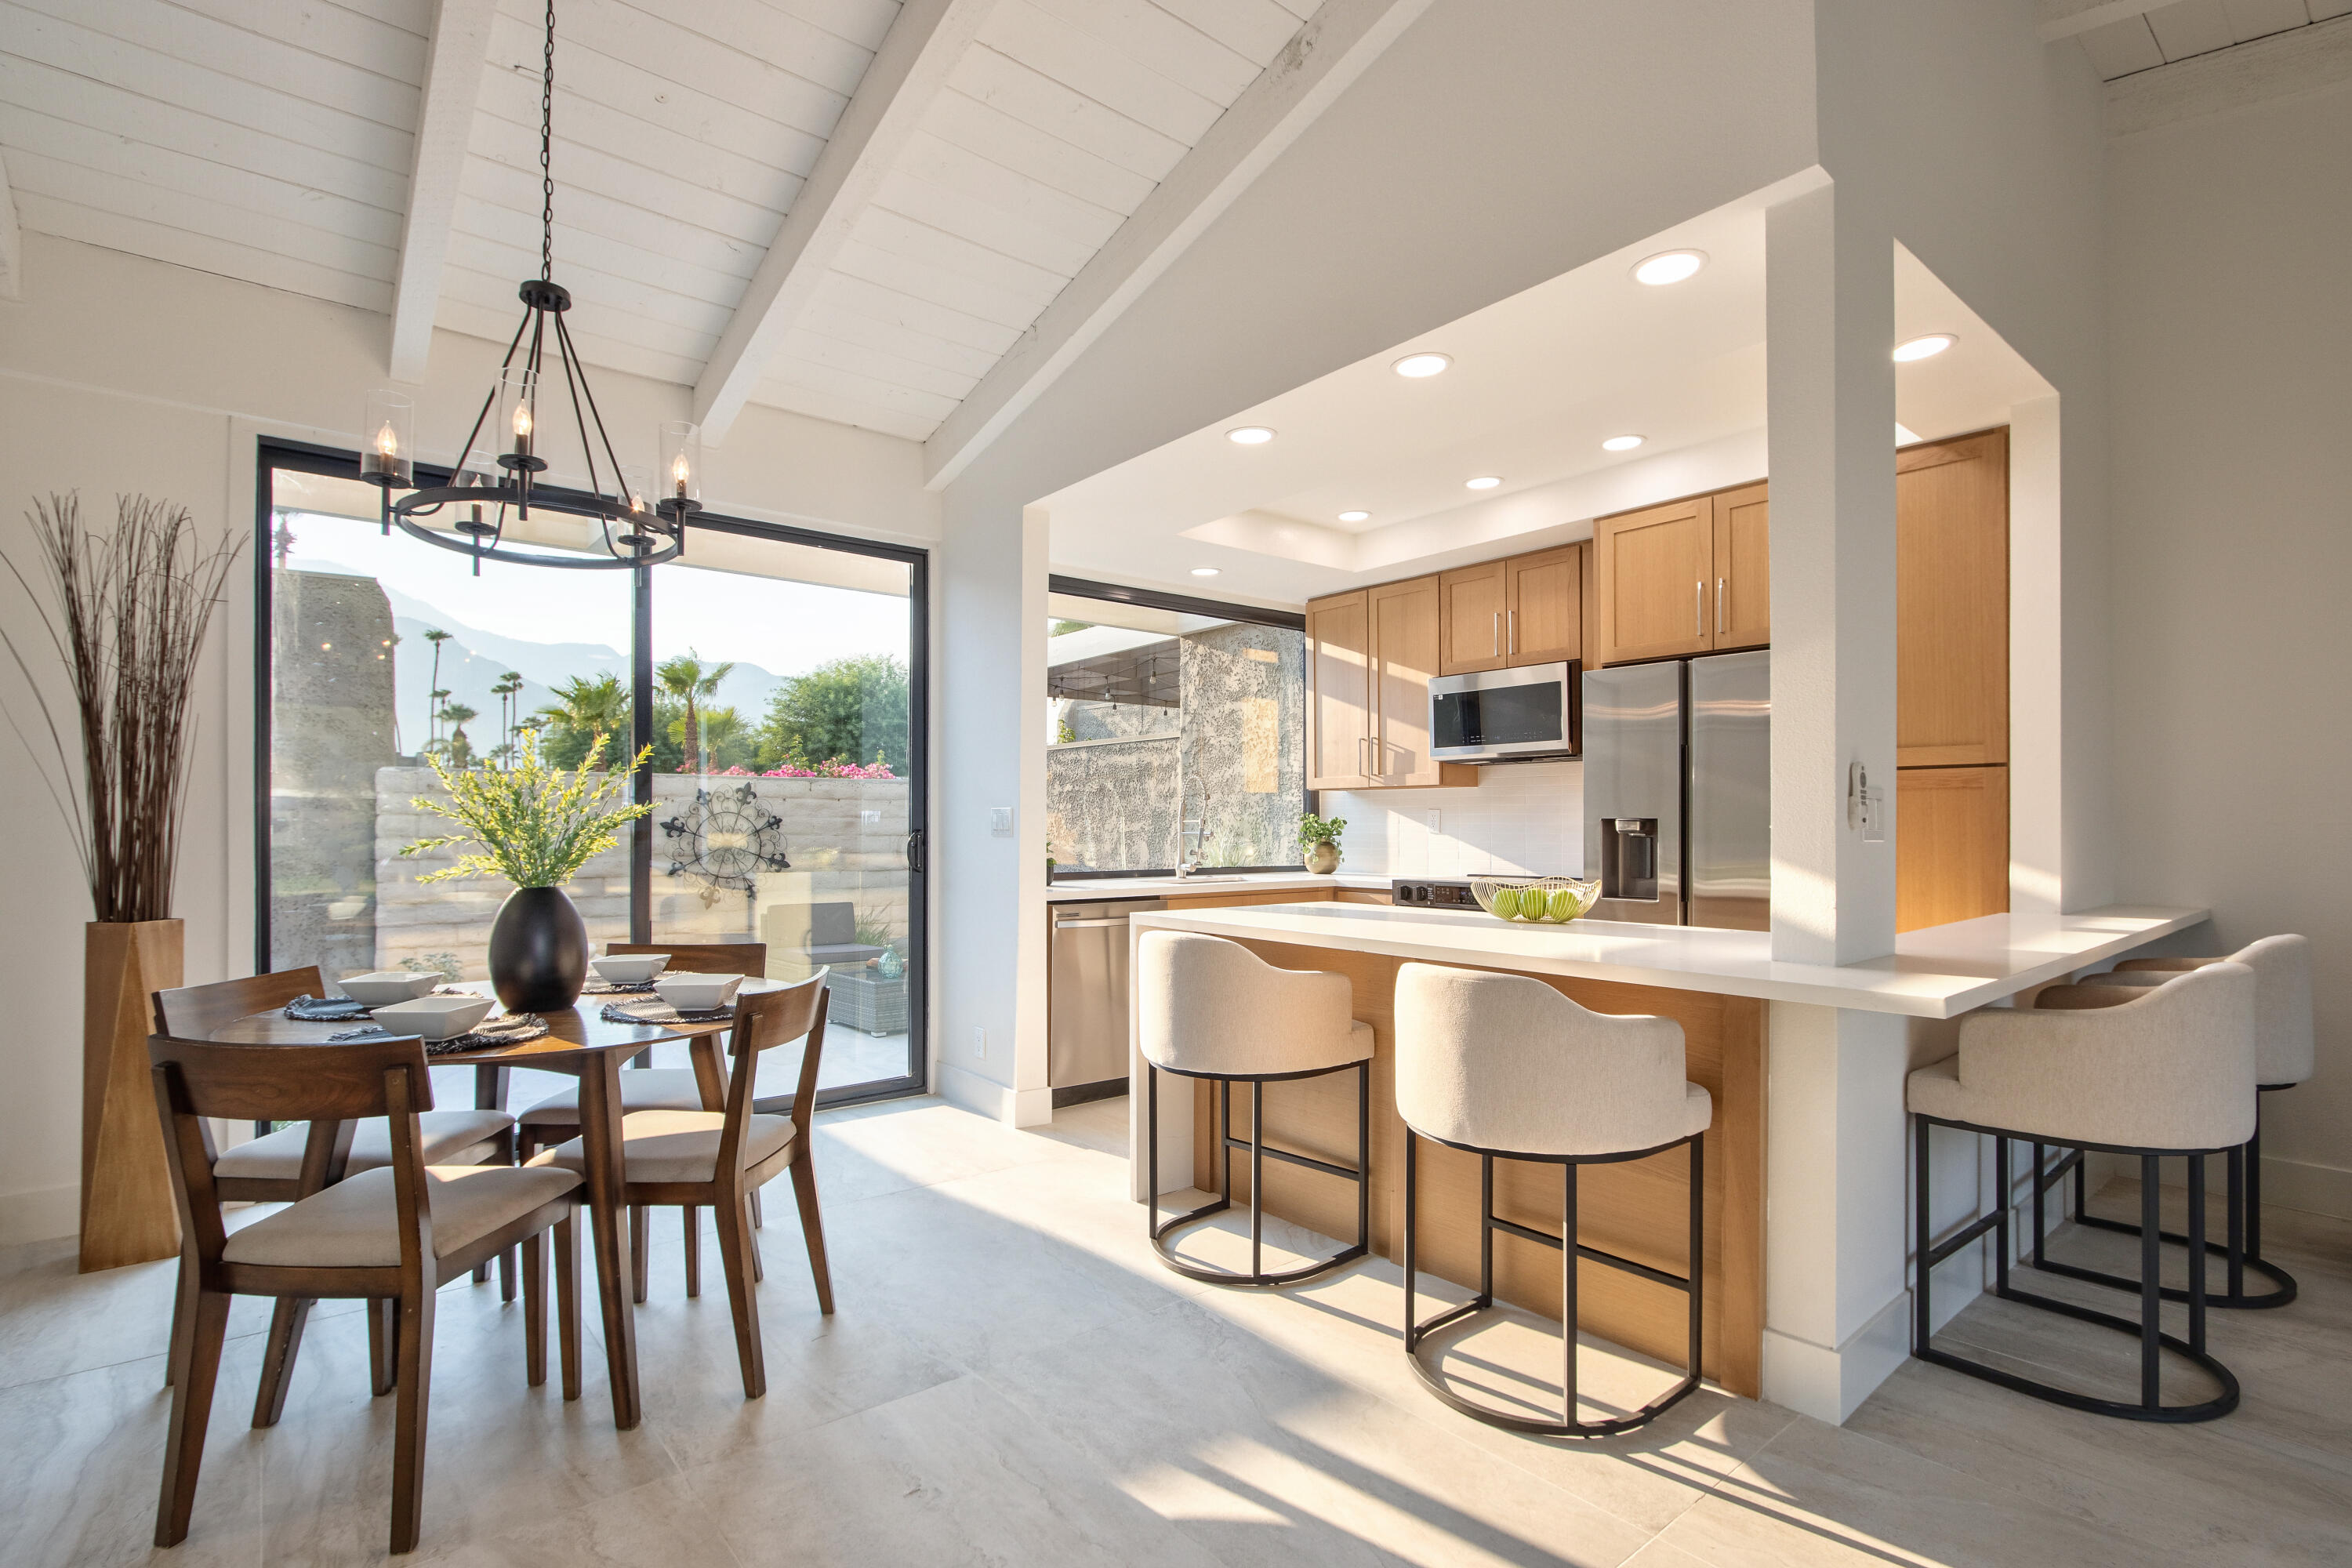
pixel 1494 637
pixel 1698 608
pixel 1514 631
pixel 1719 596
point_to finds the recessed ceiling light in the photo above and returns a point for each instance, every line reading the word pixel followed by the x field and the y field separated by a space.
pixel 1417 366
pixel 1484 482
pixel 1669 267
pixel 1204 571
pixel 1355 517
pixel 1249 436
pixel 1622 443
pixel 1928 347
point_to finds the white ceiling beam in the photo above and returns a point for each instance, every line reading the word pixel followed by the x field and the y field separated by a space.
pixel 12 241
pixel 445 126
pixel 1330 50
pixel 907 73
pixel 2064 18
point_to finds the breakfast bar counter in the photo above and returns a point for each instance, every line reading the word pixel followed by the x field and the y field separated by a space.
pixel 1837 1165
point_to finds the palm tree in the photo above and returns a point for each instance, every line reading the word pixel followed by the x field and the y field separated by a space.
pixel 721 729
pixel 507 686
pixel 461 750
pixel 437 637
pixel 589 707
pixel 688 679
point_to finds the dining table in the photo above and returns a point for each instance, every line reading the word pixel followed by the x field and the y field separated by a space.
pixel 582 1042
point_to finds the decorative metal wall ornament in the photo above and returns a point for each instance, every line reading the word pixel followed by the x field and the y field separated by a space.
pixel 497 473
pixel 726 838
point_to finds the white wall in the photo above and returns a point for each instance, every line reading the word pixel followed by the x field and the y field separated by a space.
pixel 1524 818
pixel 2233 328
pixel 119 374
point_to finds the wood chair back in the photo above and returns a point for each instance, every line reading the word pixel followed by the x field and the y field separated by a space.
pixel 702 957
pixel 193 1012
pixel 335 1082
pixel 764 1020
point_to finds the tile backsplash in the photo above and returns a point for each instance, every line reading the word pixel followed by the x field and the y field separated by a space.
pixel 1524 817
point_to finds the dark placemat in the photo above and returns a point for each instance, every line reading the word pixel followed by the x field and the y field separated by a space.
pixel 512 1029
pixel 654 1010
pixel 596 987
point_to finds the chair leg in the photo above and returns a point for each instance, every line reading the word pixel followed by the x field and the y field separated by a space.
pixel 507 1275
pixel 734 1253
pixel 184 1295
pixel 2151 1282
pixel 200 1332
pixel 382 1345
pixel 759 1220
pixel 692 1218
pixel 640 1251
pixel 567 1300
pixel 1568 1296
pixel 534 1308
pixel 813 1230
pixel 759 1254
pixel 415 1314
pixel 287 1321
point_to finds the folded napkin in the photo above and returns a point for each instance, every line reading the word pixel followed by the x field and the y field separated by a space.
pixel 325 1010
pixel 509 1029
pixel 654 1010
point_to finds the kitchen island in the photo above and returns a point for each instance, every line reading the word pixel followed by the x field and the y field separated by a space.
pixel 1812 1313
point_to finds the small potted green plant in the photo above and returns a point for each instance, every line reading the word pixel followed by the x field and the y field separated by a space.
pixel 1319 835
pixel 536 825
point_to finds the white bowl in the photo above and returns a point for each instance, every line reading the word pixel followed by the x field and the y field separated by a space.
pixel 629 968
pixel 697 992
pixel 435 1017
pixel 385 986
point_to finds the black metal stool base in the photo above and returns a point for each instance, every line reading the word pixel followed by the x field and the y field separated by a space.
pixel 2148 1329
pixel 1258 1277
pixel 1571 1253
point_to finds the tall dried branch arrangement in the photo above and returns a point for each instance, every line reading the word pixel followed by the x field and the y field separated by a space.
pixel 126 615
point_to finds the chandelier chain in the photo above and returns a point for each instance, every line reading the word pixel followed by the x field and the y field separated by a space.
pixel 546 151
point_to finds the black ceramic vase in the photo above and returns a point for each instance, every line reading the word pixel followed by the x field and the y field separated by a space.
pixel 539 951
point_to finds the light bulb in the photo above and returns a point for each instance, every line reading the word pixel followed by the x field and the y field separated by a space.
pixel 387 442
pixel 522 419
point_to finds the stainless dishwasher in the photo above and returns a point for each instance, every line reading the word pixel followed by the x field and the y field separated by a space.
pixel 1086 1011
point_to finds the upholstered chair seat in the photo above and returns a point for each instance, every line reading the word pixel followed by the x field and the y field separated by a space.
pixel 355 1224
pixel 642 1089
pixel 1219 1010
pixel 677 1146
pixel 451 1137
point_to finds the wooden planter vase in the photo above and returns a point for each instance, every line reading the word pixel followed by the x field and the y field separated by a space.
pixel 127 1212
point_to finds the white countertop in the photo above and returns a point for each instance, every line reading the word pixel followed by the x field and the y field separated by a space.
pixel 1101 889
pixel 1938 973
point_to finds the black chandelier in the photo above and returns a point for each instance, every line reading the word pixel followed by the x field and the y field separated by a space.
pixel 495 481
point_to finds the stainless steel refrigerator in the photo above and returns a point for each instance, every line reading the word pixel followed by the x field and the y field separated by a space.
pixel 1678 791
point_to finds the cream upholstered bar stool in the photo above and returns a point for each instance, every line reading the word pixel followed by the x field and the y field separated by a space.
pixel 1209 1008
pixel 2284 1056
pixel 1503 1067
pixel 2169 1072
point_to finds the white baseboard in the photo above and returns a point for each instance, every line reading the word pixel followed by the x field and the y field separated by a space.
pixel 1031 1106
pixel 2309 1188
pixel 1830 1385
pixel 961 1086
pixel 42 1213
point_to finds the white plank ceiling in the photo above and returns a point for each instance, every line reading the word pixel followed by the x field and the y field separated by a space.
pixel 2183 29
pixel 272 141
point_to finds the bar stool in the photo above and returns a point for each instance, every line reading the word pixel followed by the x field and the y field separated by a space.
pixel 1501 1066
pixel 1209 1008
pixel 2169 1072
pixel 2284 1056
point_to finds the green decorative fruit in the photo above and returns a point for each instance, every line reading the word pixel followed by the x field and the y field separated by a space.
pixel 1506 903
pixel 1565 904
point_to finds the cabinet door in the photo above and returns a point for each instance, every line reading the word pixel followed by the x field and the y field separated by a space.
pixel 1743 569
pixel 1405 659
pixel 1340 691
pixel 1656 568
pixel 1543 611
pixel 1951 627
pixel 1470 616
pixel 1951 844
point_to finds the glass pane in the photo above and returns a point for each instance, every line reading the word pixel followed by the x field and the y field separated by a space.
pixel 1172 737
pixel 781 782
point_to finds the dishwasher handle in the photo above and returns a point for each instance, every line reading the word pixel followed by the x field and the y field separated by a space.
pixel 1060 924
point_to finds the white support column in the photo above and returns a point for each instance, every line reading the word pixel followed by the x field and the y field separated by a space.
pixel 2037 663
pixel 990 875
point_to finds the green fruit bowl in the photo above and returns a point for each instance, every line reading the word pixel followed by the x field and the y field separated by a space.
pixel 1534 900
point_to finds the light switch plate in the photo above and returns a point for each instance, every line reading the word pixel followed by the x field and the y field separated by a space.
pixel 1434 820
pixel 1000 821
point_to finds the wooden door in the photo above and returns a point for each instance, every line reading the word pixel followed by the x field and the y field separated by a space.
pixel 1743 569
pixel 1543 607
pixel 1338 691
pixel 1405 649
pixel 1951 844
pixel 1470 615
pixel 1951 628
pixel 1655 567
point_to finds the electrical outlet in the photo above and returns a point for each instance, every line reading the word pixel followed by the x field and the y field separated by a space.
pixel 980 1041
pixel 1434 820
pixel 1000 821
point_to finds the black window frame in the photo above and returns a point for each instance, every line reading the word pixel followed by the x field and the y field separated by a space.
pixel 275 453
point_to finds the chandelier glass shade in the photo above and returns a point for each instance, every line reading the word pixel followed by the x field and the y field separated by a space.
pixel 486 507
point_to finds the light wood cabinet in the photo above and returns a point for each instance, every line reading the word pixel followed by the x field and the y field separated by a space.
pixel 1370 657
pixel 1543 607
pixel 1951 844
pixel 1743 568
pixel 1951 629
pixel 1470 614
pixel 1653 567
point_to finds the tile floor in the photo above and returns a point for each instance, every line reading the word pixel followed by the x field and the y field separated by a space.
pixel 1012 1379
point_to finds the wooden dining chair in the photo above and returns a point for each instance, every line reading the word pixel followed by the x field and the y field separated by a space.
pixel 717 1160
pixel 269 1169
pixel 388 1235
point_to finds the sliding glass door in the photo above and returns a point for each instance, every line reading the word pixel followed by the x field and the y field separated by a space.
pixel 777 674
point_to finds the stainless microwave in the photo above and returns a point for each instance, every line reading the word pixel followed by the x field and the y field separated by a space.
pixel 1505 715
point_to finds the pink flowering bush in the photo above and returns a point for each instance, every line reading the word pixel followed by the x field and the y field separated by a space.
pixel 832 768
